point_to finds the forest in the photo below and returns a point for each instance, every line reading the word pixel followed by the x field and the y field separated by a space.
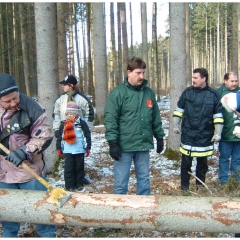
pixel 43 42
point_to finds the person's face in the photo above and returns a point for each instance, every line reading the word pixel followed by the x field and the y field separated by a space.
pixel 197 81
pixel 232 82
pixel 67 87
pixel 136 77
pixel 70 116
pixel 10 101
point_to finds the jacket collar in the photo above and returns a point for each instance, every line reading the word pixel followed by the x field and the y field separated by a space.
pixel 144 83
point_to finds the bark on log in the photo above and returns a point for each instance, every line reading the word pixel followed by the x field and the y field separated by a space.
pixel 161 213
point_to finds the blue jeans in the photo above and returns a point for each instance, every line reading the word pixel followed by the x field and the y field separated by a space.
pixel 228 149
pixel 10 229
pixel 122 172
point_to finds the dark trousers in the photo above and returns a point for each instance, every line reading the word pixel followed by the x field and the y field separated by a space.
pixel 73 170
pixel 201 170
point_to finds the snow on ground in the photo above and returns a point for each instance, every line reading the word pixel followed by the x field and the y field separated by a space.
pixel 164 176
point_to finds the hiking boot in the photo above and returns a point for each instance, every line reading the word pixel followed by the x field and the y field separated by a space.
pixel 80 188
pixel 86 181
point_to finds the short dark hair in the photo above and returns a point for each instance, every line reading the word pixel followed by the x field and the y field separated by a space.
pixel 135 63
pixel 203 72
pixel 226 75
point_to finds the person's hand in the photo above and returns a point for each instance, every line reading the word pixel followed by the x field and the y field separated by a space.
pixel 217 133
pixel 216 138
pixel 159 145
pixel 88 152
pixel 236 131
pixel 229 102
pixel 17 156
pixel 176 124
pixel 114 151
pixel 60 153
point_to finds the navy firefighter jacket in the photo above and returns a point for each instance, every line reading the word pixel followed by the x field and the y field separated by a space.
pixel 199 109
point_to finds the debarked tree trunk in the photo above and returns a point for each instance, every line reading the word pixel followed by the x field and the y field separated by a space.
pixel 161 213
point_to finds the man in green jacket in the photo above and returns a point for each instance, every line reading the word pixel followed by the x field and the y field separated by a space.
pixel 229 146
pixel 132 118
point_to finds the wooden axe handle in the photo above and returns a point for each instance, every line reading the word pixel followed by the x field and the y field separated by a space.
pixel 28 169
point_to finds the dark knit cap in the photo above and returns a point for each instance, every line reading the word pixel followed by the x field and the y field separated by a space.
pixel 69 80
pixel 7 84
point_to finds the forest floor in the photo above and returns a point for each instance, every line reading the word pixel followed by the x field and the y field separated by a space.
pixel 165 180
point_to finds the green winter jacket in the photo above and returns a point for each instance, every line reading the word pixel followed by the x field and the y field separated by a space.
pixel 227 133
pixel 132 117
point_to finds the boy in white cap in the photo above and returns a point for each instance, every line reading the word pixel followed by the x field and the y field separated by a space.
pixel 74 141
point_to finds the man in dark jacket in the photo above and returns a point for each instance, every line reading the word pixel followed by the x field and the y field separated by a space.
pixel 132 118
pixel 200 110
pixel 229 146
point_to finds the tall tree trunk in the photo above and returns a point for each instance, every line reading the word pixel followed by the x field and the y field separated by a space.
pixel 177 64
pixel 144 37
pixel 154 48
pixel 188 57
pixel 218 46
pixel 31 48
pixel 157 71
pixel 226 40
pixel 100 59
pixel 234 39
pixel 78 53
pixel 9 37
pixel 3 57
pixel 124 36
pixel 120 59
pixel 131 28
pixel 70 41
pixel 85 75
pixel 46 46
pixel 112 49
pixel 90 67
pixel 23 25
pixel 62 43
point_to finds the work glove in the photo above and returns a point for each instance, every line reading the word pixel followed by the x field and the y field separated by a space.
pixel 60 153
pixel 114 151
pixel 56 134
pixel 88 152
pixel 176 124
pixel 17 156
pixel 236 131
pixel 229 102
pixel 217 132
pixel 159 145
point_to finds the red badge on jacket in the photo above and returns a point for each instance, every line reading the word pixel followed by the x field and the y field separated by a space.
pixel 149 103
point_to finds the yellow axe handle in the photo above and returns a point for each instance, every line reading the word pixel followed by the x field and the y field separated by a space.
pixel 28 169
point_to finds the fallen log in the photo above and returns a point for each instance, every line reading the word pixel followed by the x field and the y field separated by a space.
pixel 161 213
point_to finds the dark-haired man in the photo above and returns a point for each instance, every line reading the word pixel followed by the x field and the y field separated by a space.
pixel 200 111
pixel 132 118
